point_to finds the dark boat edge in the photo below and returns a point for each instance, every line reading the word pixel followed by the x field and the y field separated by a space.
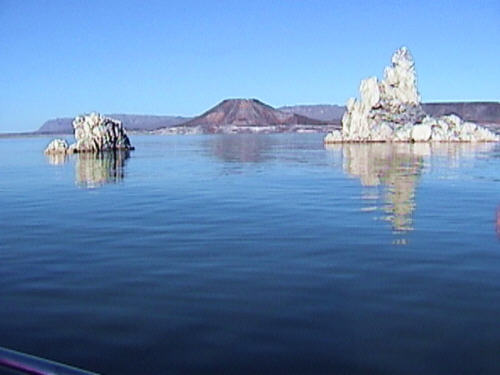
pixel 29 364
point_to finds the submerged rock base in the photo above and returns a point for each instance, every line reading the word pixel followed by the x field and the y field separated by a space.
pixel 390 111
pixel 93 133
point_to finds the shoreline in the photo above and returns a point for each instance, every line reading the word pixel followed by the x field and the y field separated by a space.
pixel 229 130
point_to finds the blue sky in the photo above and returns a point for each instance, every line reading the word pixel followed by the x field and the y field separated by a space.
pixel 62 58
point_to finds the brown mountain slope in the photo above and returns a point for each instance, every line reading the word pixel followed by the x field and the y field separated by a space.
pixel 248 112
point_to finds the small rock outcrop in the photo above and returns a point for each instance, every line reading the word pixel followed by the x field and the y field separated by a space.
pixel 57 146
pixel 93 133
pixel 390 111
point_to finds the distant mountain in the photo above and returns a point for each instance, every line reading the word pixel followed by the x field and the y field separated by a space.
pixel 130 122
pixel 323 112
pixel 247 112
pixel 58 125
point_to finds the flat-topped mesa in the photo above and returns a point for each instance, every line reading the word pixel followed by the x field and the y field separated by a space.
pixel 390 111
pixel 93 133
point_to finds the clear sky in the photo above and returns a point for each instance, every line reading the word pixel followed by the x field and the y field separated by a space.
pixel 63 58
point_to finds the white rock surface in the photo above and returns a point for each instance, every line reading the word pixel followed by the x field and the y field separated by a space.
pixel 421 133
pixel 390 111
pixel 334 137
pixel 400 79
pixel 93 133
pixel 57 146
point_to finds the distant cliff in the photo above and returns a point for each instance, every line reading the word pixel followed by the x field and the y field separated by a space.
pixel 481 112
pixel 130 122
pixel 323 112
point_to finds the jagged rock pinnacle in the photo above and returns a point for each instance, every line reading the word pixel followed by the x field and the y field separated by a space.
pixel 390 110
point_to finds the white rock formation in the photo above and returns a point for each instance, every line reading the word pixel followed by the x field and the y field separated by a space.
pixel 99 133
pixel 57 146
pixel 390 111
pixel 93 133
pixel 421 133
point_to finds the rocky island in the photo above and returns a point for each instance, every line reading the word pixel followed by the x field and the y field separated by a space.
pixel 93 133
pixel 390 111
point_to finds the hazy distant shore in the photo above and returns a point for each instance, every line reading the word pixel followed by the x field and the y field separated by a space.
pixel 258 117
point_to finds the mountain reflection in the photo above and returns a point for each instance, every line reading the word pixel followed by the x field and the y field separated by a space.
pixel 246 148
pixel 93 170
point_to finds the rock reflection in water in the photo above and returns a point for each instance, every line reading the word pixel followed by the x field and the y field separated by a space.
pixel 57 159
pixel 397 167
pixel 93 170
pixel 460 154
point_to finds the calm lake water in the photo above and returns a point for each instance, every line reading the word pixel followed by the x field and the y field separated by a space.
pixel 251 254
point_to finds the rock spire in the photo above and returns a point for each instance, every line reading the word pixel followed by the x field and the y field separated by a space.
pixel 390 111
